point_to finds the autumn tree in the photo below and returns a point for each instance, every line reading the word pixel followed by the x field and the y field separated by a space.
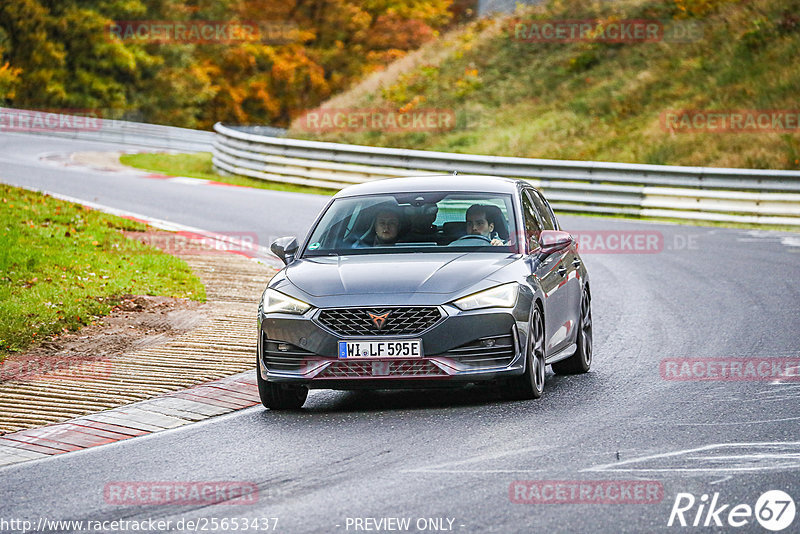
pixel 60 54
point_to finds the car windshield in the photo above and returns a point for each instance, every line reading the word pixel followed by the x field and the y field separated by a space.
pixel 416 222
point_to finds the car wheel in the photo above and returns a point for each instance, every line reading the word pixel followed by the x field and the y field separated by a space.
pixel 280 396
pixel 530 385
pixel 581 361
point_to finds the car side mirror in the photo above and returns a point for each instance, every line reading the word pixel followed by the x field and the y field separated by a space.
pixel 554 240
pixel 285 248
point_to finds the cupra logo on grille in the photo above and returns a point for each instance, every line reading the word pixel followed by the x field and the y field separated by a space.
pixel 379 320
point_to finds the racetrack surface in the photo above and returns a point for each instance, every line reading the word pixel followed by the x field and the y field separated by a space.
pixel 705 293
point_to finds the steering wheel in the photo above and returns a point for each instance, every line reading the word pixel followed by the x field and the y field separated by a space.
pixel 478 238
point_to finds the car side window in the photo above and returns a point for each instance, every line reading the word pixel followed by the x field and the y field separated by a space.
pixel 543 209
pixel 533 225
pixel 550 212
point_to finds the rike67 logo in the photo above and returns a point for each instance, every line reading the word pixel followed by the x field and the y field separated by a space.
pixel 774 510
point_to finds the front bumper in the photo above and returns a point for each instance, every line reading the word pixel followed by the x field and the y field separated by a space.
pixel 460 348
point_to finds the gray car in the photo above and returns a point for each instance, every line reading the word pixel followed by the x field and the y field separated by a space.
pixel 425 282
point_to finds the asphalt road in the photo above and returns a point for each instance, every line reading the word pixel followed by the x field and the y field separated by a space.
pixel 450 460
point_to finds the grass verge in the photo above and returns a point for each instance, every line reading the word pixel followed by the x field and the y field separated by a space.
pixel 599 100
pixel 199 166
pixel 63 266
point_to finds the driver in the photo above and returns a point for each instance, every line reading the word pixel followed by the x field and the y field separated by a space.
pixel 478 223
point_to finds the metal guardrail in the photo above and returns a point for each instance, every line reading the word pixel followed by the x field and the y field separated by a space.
pixel 104 130
pixel 692 193
pixel 270 131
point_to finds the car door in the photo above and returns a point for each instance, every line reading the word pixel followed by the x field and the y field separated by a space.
pixel 572 282
pixel 551 273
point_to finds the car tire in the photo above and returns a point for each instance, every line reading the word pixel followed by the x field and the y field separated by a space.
pixel 280 396
pixel 581 361
pixel 530 385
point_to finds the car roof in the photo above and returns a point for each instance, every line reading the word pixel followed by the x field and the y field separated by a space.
pixel 445 182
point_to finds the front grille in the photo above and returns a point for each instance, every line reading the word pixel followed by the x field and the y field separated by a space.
pixel 365 321
pixel 284 357
pixel 380 368
pixel 495 351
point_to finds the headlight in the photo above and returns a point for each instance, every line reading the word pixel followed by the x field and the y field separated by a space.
pixel 504 296
pixel 274 301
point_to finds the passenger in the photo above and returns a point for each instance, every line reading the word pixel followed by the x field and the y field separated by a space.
pixel 384 231
pixel 479 222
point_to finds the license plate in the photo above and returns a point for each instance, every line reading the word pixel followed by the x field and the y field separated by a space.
pixel 405 348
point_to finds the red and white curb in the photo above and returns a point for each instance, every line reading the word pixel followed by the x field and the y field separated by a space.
pixel 185 180
pixel 146 417
pixel 65 160
pixel 154 415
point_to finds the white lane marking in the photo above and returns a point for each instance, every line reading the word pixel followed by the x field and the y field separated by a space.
pixel 789 455
pixel 481 457
pixel 187 181
pixel 709 469
pixel 786 239
pixel 786 458
pixel 442 467
pixel 262 253
pixel 739 422
pixel 773 399
pixel 783 386
pixel 723 479
pixel 136 439
pixel 784 391
pixel 795 371
pixel 479 471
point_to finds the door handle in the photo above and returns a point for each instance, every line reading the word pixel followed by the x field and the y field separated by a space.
pixel 562 270
pixel 576 262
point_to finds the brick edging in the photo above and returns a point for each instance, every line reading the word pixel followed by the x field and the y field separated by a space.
pixel 160 413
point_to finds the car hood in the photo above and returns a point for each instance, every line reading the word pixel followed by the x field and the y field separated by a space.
pixel 396 273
